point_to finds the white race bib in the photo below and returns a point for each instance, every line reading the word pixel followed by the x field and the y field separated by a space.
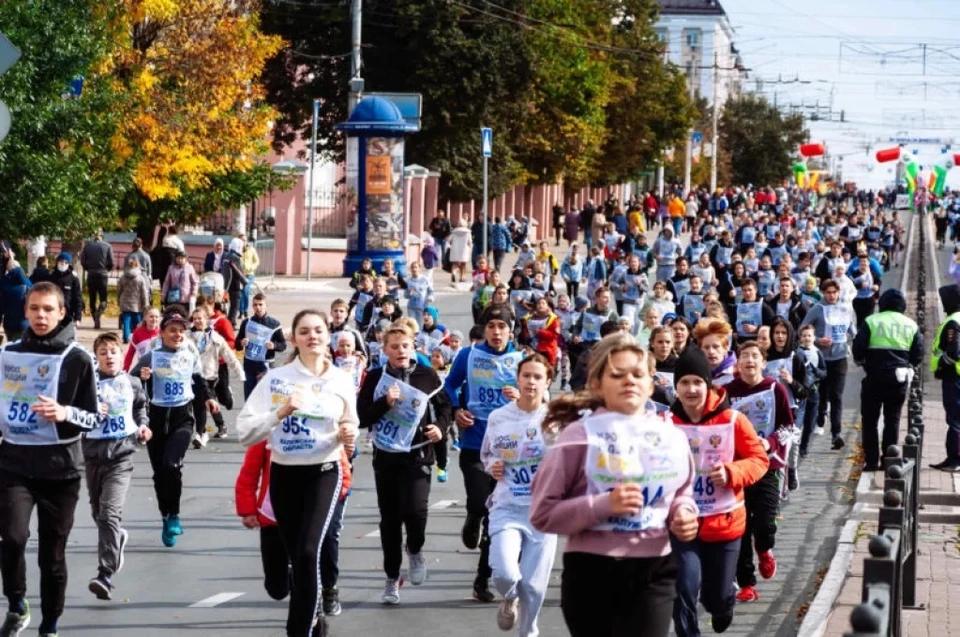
pixel 711 445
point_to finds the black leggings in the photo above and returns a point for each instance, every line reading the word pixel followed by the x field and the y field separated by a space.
pixel 200 410
pixel 605 596
pixel 167 450
pixel 572 288
pixel 762 502
pixel 403 495
pixel 304 498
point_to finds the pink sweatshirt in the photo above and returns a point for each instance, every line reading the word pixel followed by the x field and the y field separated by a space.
pixel 561 504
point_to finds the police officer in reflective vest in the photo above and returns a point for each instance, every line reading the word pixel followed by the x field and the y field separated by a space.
pixel 945 365
pixel 888 346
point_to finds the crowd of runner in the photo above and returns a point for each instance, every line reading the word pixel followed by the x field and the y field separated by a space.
pixel 693 376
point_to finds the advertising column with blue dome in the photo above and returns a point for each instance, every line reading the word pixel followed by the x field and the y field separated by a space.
pixel 376 227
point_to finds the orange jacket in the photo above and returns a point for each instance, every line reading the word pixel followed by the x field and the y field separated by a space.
pixel 253 483
pixel 750 463
pixel 676 207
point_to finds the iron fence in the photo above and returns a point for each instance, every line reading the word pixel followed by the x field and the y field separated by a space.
pixel 331 213
pixel 890 573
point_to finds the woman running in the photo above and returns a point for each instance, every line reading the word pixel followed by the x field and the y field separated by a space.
pixel 617 483
pixel 513 447
pixel 307 410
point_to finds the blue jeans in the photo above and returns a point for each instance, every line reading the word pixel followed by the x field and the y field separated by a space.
pixel 677 225
pixel 129 322
pixel 807 416
pixel 704 569
pixel 245 295
pixel 951 407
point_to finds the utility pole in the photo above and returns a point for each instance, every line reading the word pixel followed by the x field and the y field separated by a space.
pixel 313 165
pixel 355 82
pixel 688 160
pixel 716 117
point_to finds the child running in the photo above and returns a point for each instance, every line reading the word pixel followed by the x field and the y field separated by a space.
pixel 108 455
pixel 728 457
pixel 617 483
pixel 175 379
pixel 405 407
pixel 765 402
pixel 513 447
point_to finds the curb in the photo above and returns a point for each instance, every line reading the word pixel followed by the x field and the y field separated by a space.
pixel 815 621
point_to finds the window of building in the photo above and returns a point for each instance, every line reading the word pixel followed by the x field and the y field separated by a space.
pixel 692 38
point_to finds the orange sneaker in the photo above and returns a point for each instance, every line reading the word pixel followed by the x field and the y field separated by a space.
pixel 748 594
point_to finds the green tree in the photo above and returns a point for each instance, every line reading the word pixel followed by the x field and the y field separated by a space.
pixel 759 139
pixel 59 177
pixel 649 109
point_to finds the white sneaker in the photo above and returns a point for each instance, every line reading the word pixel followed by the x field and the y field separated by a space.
pixel 203 439
pixel 391 592
pixel 418 568
pixel 507 613
pixel 124 537
pixel 820 430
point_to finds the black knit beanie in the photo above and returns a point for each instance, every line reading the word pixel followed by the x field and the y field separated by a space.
pixel 692 362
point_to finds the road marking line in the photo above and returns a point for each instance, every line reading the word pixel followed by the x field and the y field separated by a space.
pixel 443 504
pixel 373 533
pixel 216 600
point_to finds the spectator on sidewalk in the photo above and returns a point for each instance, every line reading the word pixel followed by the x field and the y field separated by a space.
pixel 96 259
pixel 440 230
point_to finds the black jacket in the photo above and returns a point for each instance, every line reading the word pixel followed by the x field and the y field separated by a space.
pixel 167 419
pixel 279 341
pixel 97 257
pixel 797 311
pixel 104 450
pixel 371 411
pixel 40 275
pixel 72 292
pixel 234 278
pixel 76 390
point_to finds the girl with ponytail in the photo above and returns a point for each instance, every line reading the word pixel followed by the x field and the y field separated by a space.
pixel 617 483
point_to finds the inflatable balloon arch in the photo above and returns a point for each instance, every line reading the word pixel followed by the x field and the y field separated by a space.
pixel 934 179
pixel 803 177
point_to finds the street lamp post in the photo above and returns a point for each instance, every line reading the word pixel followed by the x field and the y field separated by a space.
pixel 313 164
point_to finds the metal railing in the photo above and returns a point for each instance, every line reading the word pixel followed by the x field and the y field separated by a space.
pixel 890 573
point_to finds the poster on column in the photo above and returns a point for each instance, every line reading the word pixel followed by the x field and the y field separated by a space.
pixel 353 185
pixel 384 186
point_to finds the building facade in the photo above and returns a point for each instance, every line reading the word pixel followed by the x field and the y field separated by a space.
pixel 693 31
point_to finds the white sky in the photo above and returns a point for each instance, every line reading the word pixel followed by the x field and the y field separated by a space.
pixel 868 53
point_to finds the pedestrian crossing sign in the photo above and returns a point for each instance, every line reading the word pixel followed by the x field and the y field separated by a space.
pixel 486 141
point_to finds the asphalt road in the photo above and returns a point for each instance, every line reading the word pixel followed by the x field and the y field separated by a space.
pixel 210 583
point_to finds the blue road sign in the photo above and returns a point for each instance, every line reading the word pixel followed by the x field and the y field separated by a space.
pixel 486 141
pixel 697 137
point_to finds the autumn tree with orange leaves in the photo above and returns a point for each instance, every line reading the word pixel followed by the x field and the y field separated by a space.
pixel 170 122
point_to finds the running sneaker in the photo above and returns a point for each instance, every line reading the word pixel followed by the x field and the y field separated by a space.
pixel 748 594
pixel 168 537
pixel 101 587
pixel 441 475
pixel 767 565
pixel 507 613
pixel 221 431
pixel 417 569
pixel 15 623
pixel 470 533
pixel 124 538
pixel 820 430
pixel 481 591
pixel 391 592
pixel 456 445
pixel 331 601
pixel 838 443
pixel 200 440
pixel 175 527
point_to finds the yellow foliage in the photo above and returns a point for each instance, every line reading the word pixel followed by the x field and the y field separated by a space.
pixel 190 70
